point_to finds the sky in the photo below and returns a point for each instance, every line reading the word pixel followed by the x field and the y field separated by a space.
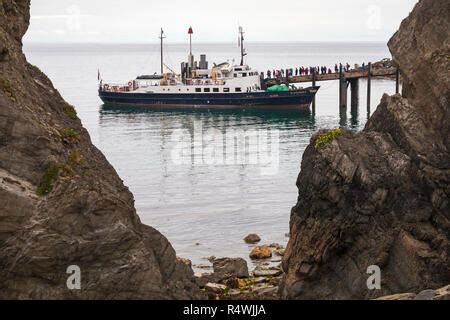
pixel 139 21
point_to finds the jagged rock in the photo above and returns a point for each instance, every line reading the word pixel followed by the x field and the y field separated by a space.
pixel 62 202
pixel 252 238
pixel 260 252
pixel 380 196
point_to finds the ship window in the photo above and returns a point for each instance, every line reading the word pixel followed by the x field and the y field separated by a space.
pixel 207 90
pixel 238 69
pixel 215 89
pixel 198 89
pixel 238 89
pixel 235 75
pixel 226 89
pixel 244 74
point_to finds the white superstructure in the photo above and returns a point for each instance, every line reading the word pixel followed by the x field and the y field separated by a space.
pixel 223 78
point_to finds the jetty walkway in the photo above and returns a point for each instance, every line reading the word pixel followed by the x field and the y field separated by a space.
pixel 347 78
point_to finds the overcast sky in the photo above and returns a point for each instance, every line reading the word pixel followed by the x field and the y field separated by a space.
pixel 215 21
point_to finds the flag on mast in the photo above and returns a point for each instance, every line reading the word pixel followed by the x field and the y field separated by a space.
pixel 98 74
pixel 190 31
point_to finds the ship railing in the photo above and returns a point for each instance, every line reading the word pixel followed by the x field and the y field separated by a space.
pixel 204 82
pixel 116 87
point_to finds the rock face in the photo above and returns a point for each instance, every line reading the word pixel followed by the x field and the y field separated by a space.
pixel 381 196
pixel 62 204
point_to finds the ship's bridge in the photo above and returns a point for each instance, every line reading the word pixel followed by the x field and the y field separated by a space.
pixel 238 71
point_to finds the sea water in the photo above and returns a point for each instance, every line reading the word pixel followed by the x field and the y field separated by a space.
pixel 202 199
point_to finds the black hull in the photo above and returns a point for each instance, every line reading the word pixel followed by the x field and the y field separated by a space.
pixel 291 100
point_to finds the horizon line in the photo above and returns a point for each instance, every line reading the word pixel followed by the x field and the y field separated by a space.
pixel 203 42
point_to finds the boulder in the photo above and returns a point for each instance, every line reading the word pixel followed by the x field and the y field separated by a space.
pixel 252 238
pixel 215 287
pixel 260 252
pixel 380 196
pixel 263 271
pixel 426 295
pixel 230 267
pixel 63 206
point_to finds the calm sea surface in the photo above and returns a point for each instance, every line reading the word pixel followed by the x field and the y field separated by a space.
pixel 205 204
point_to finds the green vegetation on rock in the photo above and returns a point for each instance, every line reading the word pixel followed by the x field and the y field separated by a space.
pixel 70 133
pixel 49 177
pixel 7 88
pixel 75 157
pixel 70 111
pixel 326 137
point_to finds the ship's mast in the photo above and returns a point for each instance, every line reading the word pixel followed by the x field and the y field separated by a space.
pixel 162 37
pixel 241 44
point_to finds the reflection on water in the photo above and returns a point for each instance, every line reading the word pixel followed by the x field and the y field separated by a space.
pixel 207 209
pixel 206 204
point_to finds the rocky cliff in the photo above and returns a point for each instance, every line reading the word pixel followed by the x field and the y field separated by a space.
pixel 381 196
pixel 61 202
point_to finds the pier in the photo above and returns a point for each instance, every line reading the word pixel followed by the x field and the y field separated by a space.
pixel 350 79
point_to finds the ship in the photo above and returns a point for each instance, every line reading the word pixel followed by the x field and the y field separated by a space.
pixel 196 86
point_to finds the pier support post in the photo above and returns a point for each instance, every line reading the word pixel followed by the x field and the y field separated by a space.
pixel 342 91
pixel 354 90
pixel 314 84
pixel 397 81
pixel 354 100
pixel 369 88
